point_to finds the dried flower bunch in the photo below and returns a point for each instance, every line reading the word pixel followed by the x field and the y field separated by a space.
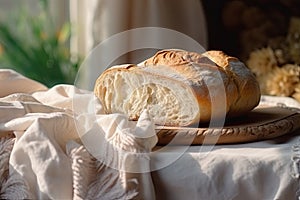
pixel 277 65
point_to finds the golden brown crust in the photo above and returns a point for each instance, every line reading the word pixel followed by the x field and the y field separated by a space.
pixel 176 58
pixel 220 58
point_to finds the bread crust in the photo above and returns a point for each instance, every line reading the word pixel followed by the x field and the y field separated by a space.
pixel 221 85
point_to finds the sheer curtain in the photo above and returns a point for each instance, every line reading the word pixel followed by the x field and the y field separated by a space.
pixel 97 20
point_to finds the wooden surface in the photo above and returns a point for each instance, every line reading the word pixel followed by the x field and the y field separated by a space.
pixel 260 124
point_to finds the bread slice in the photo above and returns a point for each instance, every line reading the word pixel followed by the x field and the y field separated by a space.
pixel 179 88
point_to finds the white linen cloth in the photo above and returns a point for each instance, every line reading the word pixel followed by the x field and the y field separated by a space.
pixel 46 157
pixel 42 156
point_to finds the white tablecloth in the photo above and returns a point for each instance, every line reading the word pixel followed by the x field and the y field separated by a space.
pixel 43 157
pixel 261 170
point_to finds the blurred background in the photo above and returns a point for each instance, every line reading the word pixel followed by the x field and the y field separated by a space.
pixel 47 40
pixel 35 40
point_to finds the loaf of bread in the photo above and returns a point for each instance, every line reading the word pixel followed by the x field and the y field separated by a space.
pixel 180 88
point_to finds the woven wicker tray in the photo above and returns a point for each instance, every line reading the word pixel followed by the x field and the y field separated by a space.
pixel 260 124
